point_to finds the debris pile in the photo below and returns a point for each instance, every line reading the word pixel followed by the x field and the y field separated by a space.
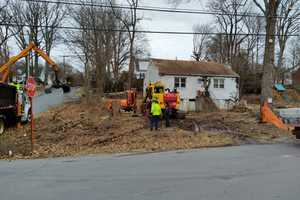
pixel 288 98
pixel 241 127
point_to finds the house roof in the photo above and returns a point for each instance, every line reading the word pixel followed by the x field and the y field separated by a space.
pixel 192 68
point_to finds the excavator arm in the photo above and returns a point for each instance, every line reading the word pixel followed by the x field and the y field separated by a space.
pixel 41 53
pixel 4 69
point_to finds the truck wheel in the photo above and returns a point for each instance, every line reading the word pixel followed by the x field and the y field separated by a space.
pixel 2 126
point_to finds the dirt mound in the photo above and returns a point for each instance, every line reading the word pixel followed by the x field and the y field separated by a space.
pixel 251 99
pixel 288 98
pixel 242 127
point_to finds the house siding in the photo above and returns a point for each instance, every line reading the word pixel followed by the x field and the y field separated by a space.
pixel 220 96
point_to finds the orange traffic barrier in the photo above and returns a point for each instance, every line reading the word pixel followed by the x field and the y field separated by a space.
pixel 268 116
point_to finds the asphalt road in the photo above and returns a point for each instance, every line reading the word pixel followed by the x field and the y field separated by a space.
pixel 236 173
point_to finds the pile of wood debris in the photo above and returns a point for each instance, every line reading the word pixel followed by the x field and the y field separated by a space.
pixel 81 129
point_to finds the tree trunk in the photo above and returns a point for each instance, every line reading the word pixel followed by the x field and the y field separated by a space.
pixel 131 67
pixel 100 76
pixel 27 66
pixel 269 56
pixel 36 65
pixel 87 80
pixel 47 67
pixel 279 67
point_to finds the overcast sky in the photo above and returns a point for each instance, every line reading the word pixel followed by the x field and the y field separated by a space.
pixel 161 45
pixel 172 46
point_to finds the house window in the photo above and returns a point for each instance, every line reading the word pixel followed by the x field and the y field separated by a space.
pixel 177 82
pixel 183 82
pixel 180 82
pixel 219 83
pixel 216 83
pixel 200 80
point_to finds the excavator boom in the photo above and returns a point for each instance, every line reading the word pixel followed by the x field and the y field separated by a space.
pixel 4 69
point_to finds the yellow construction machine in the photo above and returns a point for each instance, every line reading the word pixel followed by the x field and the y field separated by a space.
pixel 164 96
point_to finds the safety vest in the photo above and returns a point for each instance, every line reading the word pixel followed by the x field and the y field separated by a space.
pixel 16 85
pixel 155 109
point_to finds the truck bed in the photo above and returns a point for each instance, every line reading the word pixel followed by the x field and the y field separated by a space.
pixel 7 96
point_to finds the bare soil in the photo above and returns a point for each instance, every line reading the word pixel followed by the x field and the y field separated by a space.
pixel 80 129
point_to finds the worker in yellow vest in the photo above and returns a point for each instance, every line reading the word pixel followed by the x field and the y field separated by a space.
pixel 155 114
pixel 18 86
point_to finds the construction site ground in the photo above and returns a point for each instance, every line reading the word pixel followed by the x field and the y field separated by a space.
pixel 78 128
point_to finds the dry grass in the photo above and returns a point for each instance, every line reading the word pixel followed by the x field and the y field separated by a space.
pixel 80 129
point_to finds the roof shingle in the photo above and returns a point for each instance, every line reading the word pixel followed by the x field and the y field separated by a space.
pixel 192 68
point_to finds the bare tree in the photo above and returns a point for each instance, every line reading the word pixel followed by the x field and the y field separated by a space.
pixel 120 52
pixel 253 41
pixel 287 24
pixel 5 19
pixel 27 17
pixel 269 9
pixel 230 21
pixel 294 54
pixel 216 48
pixel 200 39
pixel 130 21
pixel 95 39
pixel 5 33
pixel 53 16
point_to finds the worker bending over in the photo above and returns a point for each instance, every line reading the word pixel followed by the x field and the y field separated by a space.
pixel 155 114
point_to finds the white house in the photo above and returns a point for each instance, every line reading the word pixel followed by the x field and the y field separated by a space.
pixel 188 76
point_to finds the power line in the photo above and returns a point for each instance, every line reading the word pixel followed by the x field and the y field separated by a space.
pixel 153 9
pixel 138 31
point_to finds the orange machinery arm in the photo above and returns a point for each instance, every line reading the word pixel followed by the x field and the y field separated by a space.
pixel 4 69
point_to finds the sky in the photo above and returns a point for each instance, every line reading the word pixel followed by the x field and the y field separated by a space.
pixel 160 45
pixel 172 46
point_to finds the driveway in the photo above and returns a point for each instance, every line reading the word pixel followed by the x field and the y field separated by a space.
pixel 43 102
pixel 236 173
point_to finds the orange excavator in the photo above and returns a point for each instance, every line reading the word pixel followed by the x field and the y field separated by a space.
pixel 127 103
pixel 130 103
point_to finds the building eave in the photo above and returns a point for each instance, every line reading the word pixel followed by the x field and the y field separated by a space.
pixel 207 75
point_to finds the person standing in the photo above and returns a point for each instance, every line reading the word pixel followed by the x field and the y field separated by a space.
pixel 155 114
pixel 167 114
